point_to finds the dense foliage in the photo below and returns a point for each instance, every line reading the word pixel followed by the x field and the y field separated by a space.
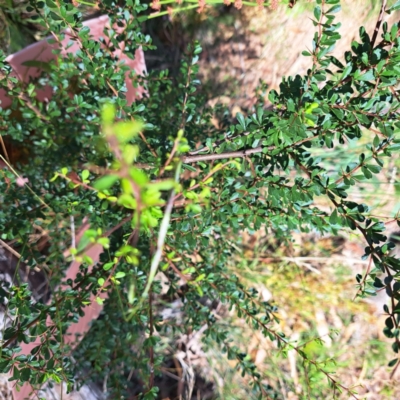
pixel 164 189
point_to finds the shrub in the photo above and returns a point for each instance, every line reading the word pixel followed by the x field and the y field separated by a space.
pixel 163 189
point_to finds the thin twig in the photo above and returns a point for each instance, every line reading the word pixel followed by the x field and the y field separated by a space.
pixel 221 156
pixel 378 24
pixel 162 235
pixel 10 249
pixel 15 253
pixel 25 184
pixel 73 239
pixel 3 147
pixel 151 350
pixel 152 151
pixel 318 259
pixel 239 154
pixel 395 369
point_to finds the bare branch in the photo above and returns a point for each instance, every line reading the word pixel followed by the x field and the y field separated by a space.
pixel 221 156
pixel 378 23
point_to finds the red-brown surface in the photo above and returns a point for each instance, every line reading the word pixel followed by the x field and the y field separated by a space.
pixel 80 328
pixel 42 51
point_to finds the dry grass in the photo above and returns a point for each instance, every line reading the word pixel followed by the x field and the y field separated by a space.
pixel 316 302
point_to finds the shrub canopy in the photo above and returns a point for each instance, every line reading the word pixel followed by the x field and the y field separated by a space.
pixel 164 190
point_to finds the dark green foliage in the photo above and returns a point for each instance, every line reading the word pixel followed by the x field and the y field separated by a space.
pixel 240 180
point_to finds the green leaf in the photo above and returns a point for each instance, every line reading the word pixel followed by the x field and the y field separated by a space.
pixel 25 374
pixel 108 113
pixel 16 374
pixel 317 13
pixel 130 153
pixel 84 32
pixel 394 7
pixel 200 278
pixel 346 71
pixel 368 76
pixel 99 301
pixel 241 120
pixel 138 176
pixel 163 185
pixel 105 182
pixel 334 9
pixel 189 167
pixel 45 66
pixel 108 266
pixel 333 219
pixel 127 201
pixel 374 168
pixel 366 172
pixel 393 362
pixel 126 131
pixel 85 174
